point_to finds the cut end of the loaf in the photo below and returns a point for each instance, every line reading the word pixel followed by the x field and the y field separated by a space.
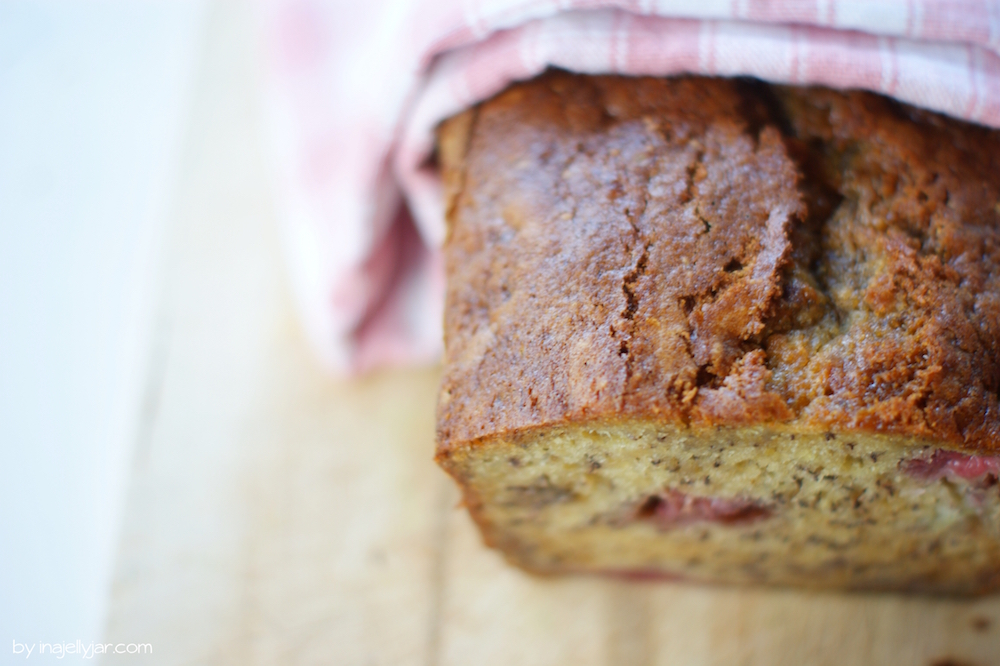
pixel 738 505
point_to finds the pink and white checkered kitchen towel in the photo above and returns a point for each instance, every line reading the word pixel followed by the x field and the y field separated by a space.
pixel 356 88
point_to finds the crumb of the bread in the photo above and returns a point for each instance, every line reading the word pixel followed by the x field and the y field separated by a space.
pixel 740 505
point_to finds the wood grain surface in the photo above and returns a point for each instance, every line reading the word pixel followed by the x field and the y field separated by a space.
pixel 280 516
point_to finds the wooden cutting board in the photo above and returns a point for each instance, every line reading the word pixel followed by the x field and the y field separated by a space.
pixel 280 516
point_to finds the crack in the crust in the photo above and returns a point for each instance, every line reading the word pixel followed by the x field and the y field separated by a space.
pixel 630 279
pixel 628 284
pixel 690 171
pixel 772 115
pixel 734 266
pixel 823 200
pixel 761 108
pixel 705 378
pixel 701 218
pixel 632 304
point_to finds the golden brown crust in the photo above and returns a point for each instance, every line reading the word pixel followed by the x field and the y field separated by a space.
pixel 717 252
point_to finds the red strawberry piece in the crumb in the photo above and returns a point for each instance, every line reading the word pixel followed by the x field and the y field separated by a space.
pixel 672 508
pixel 944 464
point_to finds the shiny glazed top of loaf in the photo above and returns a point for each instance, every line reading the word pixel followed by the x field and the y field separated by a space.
pixel 719 252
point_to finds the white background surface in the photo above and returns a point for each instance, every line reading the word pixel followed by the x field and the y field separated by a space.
pixel 93 102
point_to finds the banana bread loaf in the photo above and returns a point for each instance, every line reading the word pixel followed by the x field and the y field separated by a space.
pixel 724 331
